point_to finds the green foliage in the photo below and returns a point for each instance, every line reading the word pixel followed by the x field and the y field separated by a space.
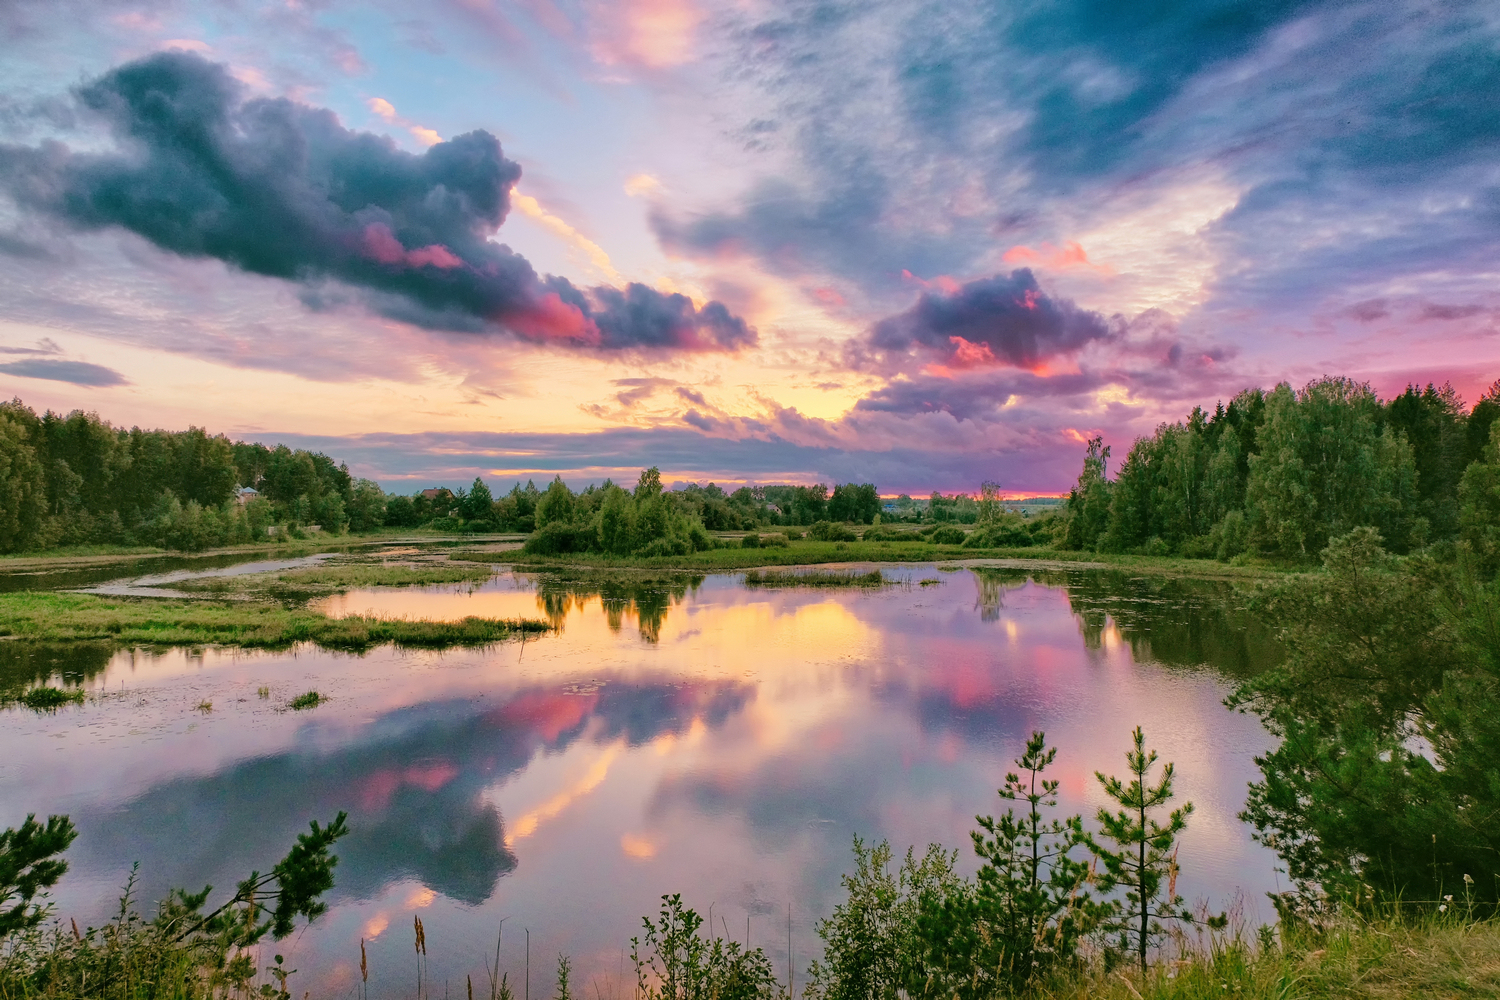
pixel 1388 709
pixel 675 961
pixel 751 541
pixel 948 535
pixel 610 521
pixel 1145 853
pixel 306 700
pixel 1279 474
pixel 29 865
pixel 871 944
pixel 1022 920
pixel 76 480
pixel 556 505
pixel 856 504
pixel 1479 505
pixel 829 531
pixel 1089 500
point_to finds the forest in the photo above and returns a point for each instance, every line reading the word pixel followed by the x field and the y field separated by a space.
pixel 1280 473
pixel 1270 476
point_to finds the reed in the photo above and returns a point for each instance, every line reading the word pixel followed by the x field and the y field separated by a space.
pixel 817 578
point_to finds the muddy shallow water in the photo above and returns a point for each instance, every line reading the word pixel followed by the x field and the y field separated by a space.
pixel 695 736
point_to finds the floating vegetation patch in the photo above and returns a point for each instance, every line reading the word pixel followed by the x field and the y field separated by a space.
pixel 815 578
pixel 309 699
pixel 46 698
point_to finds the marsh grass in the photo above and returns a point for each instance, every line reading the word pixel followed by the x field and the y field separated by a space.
pixel 331 579
pixel 29 615
pixel 801 552
pixel 1359 959
pixel 306 700
pixel 817 578
pixel 45 698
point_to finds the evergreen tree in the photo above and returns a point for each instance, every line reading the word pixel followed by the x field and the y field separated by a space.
pixel 1143 861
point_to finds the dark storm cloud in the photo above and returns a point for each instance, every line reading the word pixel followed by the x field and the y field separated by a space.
pixel 281 189
pixel 1003 320
pixel 76 372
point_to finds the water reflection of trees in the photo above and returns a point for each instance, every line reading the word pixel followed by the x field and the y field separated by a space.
pixel 1175 621
pixel 416 789
pixel 648 599
pixel 23 664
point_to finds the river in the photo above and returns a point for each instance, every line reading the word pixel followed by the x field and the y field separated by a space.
pixel 700 737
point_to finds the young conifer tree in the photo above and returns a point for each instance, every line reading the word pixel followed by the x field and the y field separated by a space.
pixel 1145 852
pixel 1030 885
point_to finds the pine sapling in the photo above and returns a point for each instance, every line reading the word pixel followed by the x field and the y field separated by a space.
pixel 1030 891
pixel 1144 859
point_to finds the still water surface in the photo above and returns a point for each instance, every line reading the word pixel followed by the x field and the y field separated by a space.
pixel 702 738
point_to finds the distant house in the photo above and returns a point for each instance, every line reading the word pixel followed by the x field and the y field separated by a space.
pixel 245 495
pixel 773 508
pixel 435 492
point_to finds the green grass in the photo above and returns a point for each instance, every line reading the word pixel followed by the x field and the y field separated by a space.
pixel 56 616
pixel 330 579
pixel 45 698
pixel 815 578
pixel 802 553
pixel 310 699
pixel 1428 959
pixel 1434 959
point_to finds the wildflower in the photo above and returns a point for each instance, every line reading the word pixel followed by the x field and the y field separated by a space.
pixel 1468 880
pixel 1443 908
pixel 1448 898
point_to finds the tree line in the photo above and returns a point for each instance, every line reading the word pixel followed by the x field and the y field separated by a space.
pixel 1280 473
pixel 75 479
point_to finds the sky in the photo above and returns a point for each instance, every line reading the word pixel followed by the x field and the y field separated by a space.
pixel 918 243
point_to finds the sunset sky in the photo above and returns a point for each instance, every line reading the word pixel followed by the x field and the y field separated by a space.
pixel 917 243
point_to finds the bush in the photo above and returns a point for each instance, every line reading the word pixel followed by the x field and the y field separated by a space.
pixel 1156 547
pixel 558 537
pixel 1231 536
pixel 827 531
pixel 774 541
pixel 750 541
pixel 948 535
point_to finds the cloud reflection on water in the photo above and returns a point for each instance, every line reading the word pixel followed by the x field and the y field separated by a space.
pixel 685 735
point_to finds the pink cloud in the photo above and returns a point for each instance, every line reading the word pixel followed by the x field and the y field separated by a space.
pixel 1071 254
pixel 380 244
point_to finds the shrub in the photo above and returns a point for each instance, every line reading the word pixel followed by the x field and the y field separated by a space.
pixel 949 535
pixel 750 541
pixel 775 540
pixel 828 531
pixel 557 537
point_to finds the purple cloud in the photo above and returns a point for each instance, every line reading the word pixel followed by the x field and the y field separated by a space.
pixel 1003 320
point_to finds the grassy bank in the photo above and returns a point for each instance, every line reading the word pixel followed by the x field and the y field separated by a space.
pixel 332 579
pixel 1379 960
pixel 808 553
pixel 1383 960
pixel 57 617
